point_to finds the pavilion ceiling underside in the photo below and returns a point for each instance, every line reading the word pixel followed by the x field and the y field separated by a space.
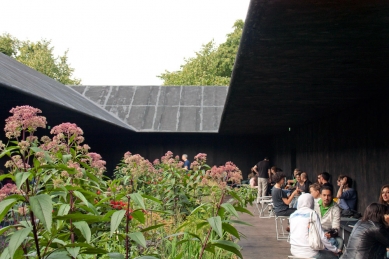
pixel 303 60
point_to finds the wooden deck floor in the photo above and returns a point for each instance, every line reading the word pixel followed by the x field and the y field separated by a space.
pixel 260 241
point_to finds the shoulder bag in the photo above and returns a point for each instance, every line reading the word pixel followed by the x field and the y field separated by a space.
pixel 314 235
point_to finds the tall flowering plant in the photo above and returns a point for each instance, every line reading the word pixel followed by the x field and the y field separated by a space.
pixel 54 181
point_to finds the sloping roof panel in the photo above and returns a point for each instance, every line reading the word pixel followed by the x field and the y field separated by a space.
pixel 17 76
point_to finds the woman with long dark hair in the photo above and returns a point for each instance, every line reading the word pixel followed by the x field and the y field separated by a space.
pixel 384 195
pixel 370 236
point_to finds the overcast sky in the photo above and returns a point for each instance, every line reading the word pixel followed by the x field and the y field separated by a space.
pixel 122 42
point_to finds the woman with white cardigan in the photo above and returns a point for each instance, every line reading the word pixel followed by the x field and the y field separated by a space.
pixel 299 226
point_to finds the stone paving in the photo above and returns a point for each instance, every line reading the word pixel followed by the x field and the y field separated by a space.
pixel 260 241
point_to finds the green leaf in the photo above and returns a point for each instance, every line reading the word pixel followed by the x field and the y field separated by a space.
pixel 20 178
pixel 116 219
pixel 210 248
pixel 138 199
pixel 198 207
pixel 4 176
pixel 139 216
pixel 93 251
pixel 201 224
pixel 116 255
pixel 228 207
pixel 63 210
pixel 147 257
pixel 238 222
pixel 42 207
pixel 244 210
pixel 59 255
pixel 151 198
pixel 152 227
pixel 66 158
pixel 86 217
pixel 235 196
pixel 84 229
pixel 138 238
pixel 73 251
pixel 231 229
pixel 5 205
pixel 81 197
pixel 17 239
pixel 5 254
pixel 2 230
pixel 227 245
pixel 216 224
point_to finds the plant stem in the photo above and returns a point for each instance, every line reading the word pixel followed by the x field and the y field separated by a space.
pixel 210 230
pixel 34 225
pixel 71 223
pixel 127 226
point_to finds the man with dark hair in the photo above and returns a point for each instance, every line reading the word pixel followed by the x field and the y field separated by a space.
pixel 347 196
pixel 324 180
pixel 186 164
pixel 280 199
pixel 329 214
pixel 262 169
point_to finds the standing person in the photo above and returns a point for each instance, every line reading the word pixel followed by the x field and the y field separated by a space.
pixel 369 237
pixel 299 228
pixel 384 195
pixel 263 171
pixel 186 164
pixel 329 214
pixel 347 196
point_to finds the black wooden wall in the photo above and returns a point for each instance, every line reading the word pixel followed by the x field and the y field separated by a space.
pixel 353 142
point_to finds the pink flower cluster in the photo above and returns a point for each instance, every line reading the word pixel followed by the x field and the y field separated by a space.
pixel 97 162
pixel 67 130
pixel 223 174
pixel 167 158
pixel 201 158
pixel 24 118
pixel 8 189
pixel 16 163
pixel 136 165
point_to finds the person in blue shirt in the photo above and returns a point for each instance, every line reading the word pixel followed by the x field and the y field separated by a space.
pixel 186 164
pixel 347 196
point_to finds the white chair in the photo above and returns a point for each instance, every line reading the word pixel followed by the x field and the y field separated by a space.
pixel 281 233
pixel 296 257
pixel 265 207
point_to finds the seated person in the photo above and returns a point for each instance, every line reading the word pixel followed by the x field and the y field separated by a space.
pixel 314 189
pixel 369 238
pixel 329 214
pixel 253 180
pixel 303 182
pixel 347 196
pixel 280 199
pixel 293 181
pixel 299 228
pixel 384 195
pixel 325 180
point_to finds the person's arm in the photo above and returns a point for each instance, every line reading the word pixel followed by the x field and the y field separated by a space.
pixel 340 192
pixel 255 169
pixel 323 237
pixel 288 200
pixel 336 218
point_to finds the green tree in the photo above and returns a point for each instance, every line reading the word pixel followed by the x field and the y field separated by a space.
pixel 212 65
pixel 39 56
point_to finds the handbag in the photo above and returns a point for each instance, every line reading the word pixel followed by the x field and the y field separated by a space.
pixel 314 236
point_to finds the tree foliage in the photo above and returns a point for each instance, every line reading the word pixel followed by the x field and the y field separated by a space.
pixel 212 65
pixel 39 56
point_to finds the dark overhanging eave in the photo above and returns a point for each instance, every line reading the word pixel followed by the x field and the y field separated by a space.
pixel 23 92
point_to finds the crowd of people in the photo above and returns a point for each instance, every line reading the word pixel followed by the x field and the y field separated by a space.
pixel 316 204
